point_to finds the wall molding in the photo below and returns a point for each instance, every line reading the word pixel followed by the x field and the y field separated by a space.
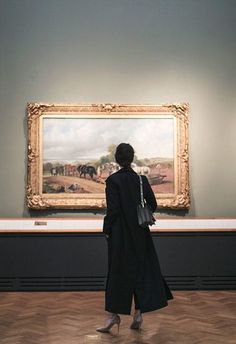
pixel 91 225
pixel 99 282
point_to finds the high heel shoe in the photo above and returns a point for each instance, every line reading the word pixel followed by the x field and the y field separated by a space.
pixel 115 319
pixel 137 322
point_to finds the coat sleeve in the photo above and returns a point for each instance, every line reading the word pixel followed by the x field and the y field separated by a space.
pixel 149 195
pixel 113 206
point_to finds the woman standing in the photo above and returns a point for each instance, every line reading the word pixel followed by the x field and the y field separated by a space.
pixel 133 265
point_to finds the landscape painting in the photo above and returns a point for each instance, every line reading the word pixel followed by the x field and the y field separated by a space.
pixel 78 153
pixel 71 152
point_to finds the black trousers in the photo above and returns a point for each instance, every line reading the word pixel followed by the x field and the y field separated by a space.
pixel 136 303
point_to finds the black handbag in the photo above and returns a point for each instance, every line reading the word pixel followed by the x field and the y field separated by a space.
pixel 145 214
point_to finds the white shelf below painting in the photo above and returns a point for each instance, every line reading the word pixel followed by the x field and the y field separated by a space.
pixel 90 225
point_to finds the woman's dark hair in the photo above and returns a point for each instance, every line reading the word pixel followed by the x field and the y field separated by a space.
pixel 124 154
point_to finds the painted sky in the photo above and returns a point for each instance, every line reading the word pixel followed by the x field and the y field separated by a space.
pixel 86 138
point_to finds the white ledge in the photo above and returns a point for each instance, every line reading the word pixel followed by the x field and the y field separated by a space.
pixel 57 225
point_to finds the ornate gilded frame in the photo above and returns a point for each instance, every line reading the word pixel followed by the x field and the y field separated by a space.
pixel 35 199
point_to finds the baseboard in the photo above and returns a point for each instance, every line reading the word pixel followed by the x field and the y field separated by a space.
pixel 98 283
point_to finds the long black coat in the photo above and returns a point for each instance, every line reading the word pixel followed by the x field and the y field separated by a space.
pixel 133 265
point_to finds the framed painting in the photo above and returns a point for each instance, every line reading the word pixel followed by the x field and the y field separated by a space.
pixel 71 152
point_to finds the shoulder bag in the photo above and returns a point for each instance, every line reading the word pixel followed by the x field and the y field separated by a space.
pixel 145 214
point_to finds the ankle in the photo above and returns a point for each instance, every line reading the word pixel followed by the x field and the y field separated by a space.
pixel 111 315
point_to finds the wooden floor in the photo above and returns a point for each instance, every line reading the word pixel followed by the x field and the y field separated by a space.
pixel 72 317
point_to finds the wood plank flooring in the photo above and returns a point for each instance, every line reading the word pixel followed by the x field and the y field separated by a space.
pixel 192 317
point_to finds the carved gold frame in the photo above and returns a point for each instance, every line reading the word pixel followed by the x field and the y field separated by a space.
pixel 37 200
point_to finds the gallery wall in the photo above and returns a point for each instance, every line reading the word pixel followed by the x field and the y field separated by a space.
pixel 125 51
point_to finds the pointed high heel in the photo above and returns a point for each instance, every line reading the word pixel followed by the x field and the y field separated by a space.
pixel 115 319
pixel 137 322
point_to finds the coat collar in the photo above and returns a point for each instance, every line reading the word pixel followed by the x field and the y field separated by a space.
pixel 126 169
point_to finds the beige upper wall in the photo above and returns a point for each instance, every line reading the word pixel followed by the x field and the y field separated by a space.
pixel 126 51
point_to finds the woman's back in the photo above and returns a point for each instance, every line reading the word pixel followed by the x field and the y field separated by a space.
pixel 123 196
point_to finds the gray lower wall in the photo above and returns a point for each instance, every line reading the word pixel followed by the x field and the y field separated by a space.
pixel 126 51
pixel 78 261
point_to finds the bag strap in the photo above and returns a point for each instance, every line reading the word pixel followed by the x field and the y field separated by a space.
pixel 141 190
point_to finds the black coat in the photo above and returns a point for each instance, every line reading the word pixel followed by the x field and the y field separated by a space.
pixel 133 265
